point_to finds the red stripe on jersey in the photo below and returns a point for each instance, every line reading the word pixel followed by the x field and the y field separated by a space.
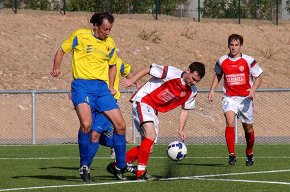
pixel 139 112
pixel 164 74
pixel 253 63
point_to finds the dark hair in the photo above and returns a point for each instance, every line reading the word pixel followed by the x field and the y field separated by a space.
pixel 98 18
pixel 198 67
pixel 235 37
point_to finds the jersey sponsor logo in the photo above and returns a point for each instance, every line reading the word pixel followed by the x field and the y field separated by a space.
pixel 166 95
pixel 235 79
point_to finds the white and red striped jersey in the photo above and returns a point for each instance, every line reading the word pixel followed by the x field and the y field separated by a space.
pixel 166 90
pixel 238 74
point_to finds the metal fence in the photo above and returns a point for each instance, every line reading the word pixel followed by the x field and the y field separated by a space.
pixel 48 117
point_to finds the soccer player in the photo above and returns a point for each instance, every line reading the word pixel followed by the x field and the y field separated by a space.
pixel 93 62
pixel 168 88
pixel 242 76
pixel 102 131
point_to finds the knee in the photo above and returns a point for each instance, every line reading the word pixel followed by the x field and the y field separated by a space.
pixel 120 127
pixel 95 136
pixel 86 126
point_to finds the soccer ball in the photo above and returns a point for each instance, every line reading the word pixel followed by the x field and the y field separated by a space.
pixel 176 150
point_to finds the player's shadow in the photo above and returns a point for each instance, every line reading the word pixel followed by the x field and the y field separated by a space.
pixel 64 178
pixel 206 164
pixel 201 164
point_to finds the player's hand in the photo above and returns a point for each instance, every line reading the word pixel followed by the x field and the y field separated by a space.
pixel 126 83
pixel 182 135
pixel 55 72
pixel 113 91
pixel 252 93
pixel 210 96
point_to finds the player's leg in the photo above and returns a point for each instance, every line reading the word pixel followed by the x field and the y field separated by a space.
pixel 83 102
pixel 247 118
pixel 119 139
pixel 230 111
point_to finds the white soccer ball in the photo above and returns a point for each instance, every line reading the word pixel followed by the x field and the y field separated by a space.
pixel 176 150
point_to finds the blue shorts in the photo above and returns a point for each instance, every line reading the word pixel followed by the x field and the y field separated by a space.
pixel 97 95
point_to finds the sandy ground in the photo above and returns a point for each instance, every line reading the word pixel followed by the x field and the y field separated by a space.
pixel 29 40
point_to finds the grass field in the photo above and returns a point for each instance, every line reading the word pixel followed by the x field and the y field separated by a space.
pixel 55 168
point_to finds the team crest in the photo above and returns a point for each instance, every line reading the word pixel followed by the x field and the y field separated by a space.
pixel 108 48
pixel 241 68
pixel 182 94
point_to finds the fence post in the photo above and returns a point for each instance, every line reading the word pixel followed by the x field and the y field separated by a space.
pixel 33 118
pixel 198 10
pixel 236 129
pixel 277 11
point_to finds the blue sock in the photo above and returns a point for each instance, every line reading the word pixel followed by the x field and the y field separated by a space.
pixel 106 140
pixel 84 145
pixel 119 142
pixel 94 146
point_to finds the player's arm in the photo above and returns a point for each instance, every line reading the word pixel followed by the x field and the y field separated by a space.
pixel 136 77
pixel 215 82
pixel 256 85
pixel 182 121
pixel 57 61
pixel 112 76
pixel 129 76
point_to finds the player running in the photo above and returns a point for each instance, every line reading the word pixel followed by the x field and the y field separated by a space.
pixel 242 77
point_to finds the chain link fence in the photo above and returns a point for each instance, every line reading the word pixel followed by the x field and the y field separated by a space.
pixel 48 117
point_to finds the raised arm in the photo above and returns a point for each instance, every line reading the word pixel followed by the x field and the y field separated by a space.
pixel 136 77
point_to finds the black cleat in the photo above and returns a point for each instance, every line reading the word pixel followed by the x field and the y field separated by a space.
pixel 145 176
pixel 250 160
pixel 131 168
pixel 118 173
pixel 232 159
pixel 85 173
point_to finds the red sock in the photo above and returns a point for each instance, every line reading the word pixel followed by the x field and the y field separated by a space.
pixel 132 154
pixel 143 155
pixel 230 139
pixel 250 139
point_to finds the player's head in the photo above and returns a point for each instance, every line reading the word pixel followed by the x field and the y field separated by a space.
pixel 194 73
pixel 103 23
pixel 235 43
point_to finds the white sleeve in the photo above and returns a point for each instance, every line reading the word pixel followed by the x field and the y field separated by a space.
pixel 158 70
pixel 190 103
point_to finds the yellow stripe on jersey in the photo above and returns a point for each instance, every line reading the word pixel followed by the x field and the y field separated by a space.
pixel 122 70
pixel 91 56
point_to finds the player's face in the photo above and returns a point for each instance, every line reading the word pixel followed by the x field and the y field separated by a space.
pixel 191 78
pixel 235 48
pixel 103 30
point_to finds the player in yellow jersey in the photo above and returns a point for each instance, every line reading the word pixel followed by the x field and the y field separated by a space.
pixel 93 63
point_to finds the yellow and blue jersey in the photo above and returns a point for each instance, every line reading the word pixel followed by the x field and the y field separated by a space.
pixel 91 56
pixel 122 70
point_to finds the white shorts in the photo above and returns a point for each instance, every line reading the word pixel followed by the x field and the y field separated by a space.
pixel 143 113
pixel 242 106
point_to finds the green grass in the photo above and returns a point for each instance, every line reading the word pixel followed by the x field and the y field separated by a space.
pixel 55 168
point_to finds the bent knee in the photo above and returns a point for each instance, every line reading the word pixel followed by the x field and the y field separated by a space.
pixel 120 127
